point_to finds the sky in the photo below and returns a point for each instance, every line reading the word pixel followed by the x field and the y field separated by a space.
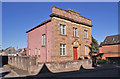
pixel 19 17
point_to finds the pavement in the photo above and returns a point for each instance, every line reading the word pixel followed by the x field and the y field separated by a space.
pixel 105 70
pixel 9 71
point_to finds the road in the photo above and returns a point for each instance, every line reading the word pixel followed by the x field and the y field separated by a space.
pixel 101 73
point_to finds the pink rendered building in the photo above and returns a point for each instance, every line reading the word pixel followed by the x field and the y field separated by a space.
pixel 65 36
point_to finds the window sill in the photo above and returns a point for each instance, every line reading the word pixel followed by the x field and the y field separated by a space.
pixel 62 35
pixel 63 55
pixel 85 38
pixel 75 37
pixel 43 45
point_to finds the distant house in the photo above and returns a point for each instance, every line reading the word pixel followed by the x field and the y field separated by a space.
pixel 9 51
pixel 65 36
pixel 110 47
pixel 21 52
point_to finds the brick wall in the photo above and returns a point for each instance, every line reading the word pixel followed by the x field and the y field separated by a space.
pixel 110 51
pixel 110 55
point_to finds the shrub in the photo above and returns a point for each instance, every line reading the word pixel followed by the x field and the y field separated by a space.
pixel 101 61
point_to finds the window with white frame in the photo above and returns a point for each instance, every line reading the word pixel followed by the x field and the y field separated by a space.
pixel 74 32
pixel 29 52
pixel 43 39
pixel 62 49
pixel 85 34
pixel 35 51
pixel 86 50
pixel 62 29
pixel 39 52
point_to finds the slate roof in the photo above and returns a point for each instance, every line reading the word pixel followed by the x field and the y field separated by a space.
pixel 111 40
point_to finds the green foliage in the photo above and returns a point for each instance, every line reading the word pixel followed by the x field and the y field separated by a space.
pixel 101 61
pixel 95 45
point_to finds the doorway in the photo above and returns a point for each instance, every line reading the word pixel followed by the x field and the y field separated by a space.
pixel 74 53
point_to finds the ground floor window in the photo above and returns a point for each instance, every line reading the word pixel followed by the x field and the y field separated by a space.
pixel 62 49
pixel 35 51
pixel 86 50
pixel 29 51
pixel 39 52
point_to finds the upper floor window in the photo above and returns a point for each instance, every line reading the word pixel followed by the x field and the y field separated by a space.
pixel 62 29
pixel 43 39
pixel 74 32
pixel 85 34
pixel 62 49
pixel 86 50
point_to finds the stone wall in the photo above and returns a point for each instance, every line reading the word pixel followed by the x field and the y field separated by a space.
pixel 68 39
pixel 69 65
pixel 71 14
pixel 22 62
pixel 29 64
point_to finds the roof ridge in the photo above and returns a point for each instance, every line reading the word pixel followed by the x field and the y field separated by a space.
pixel 114 35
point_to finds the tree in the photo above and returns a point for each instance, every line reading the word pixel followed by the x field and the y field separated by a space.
pixel 94 45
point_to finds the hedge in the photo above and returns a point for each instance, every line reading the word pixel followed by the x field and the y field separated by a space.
pixel 101 61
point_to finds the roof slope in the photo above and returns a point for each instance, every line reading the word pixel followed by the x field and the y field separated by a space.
pixel 111 40
pixel 46 21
